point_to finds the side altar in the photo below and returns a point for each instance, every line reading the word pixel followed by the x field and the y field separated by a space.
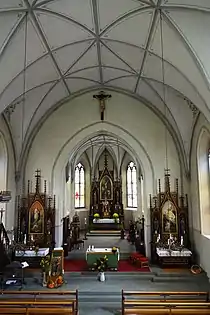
pixel 36 216
pixel 106 208
pixel 170 243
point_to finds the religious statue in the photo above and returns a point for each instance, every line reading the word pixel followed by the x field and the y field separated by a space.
pixel 106 188
pixel 75 228
pixel 105 209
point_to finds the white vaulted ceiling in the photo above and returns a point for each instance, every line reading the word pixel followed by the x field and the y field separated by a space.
pixel 75 45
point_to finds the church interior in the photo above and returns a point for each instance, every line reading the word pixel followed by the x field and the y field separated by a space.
pixel 104 157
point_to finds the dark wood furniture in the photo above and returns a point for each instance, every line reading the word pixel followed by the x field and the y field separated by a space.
pixel 169 217
pixel 39 302
pixel 36 216
pixel 135 302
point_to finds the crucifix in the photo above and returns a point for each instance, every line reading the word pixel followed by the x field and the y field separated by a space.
pixel 101 97
pixel 1 213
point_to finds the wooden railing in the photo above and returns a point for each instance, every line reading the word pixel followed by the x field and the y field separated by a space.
pixel 39 302
pixel 135 302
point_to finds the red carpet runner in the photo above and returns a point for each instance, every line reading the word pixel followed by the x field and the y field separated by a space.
pixel 81 265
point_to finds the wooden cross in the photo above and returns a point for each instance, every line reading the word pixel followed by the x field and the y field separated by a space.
pixel 101 97
pixel 1 212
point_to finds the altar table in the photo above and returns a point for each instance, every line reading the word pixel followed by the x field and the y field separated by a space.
pixel 32 257
pixel 92 255
pixel 174 257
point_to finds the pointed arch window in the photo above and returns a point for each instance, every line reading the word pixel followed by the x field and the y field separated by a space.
pixel 79 180
pixel 131 185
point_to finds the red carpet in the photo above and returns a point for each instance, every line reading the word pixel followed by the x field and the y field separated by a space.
pixel 81 265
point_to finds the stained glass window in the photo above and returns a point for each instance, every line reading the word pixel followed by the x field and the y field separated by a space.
pixel 79 190
pixel 131 186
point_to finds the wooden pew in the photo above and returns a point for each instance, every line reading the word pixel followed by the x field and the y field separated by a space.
pixel 135 302
pixel 39 302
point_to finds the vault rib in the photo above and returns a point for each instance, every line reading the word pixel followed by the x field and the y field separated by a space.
pixel 39 30
pixel 97 36
pixel 152 28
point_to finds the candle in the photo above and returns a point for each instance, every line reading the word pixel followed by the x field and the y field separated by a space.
pixel 85 220
pixel 181 240
pixel 168 241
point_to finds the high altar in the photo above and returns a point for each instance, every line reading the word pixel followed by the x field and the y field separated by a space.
pixel 106 193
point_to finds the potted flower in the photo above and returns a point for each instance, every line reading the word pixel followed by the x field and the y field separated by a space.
pixel 101 266
pixel 116 217
pixel 96 216
pixel 114 250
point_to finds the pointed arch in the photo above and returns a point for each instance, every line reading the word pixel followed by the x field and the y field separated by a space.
pixel 79 186
pixel 131 183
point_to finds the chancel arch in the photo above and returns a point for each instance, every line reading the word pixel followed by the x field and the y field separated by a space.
pixel 137 151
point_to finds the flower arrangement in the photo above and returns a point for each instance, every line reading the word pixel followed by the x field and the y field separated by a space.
pixel 96 216
pixel 55 284
pixel 114 250
pixel 45 264
pixel 116 217
pixel 101 265
pixel 36 249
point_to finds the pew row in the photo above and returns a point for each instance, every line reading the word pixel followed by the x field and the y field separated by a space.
pixel 135 302
pixel 39 302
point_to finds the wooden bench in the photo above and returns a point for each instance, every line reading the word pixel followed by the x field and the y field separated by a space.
pixel 135 302
pixel 42 302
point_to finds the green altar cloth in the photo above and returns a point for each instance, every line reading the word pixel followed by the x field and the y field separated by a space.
pixel 94 254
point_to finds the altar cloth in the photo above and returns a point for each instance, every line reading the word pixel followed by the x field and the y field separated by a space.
pixel 175 253
pixel 106 220
pixel 42 252
pixel 92 255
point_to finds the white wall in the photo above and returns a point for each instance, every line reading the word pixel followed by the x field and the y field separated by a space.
pixel 200 179
pixel 7 173
pixel 79 120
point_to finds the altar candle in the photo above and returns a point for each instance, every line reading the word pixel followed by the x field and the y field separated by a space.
pixel 25 239
pixel 168 241
pixel 85 221
pixel 181 240
pixel 32 237
pixel 170 236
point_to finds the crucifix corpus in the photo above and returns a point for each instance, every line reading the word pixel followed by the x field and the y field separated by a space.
pixel 102 97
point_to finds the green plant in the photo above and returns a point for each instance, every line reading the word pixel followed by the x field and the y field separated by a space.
pixel 102 264
pixel 45 264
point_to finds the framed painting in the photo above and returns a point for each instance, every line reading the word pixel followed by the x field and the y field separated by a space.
pixel 36 218
pixel 106 188
pixel 169 218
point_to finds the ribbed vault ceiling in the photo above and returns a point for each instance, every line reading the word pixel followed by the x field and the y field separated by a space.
pixel 75 45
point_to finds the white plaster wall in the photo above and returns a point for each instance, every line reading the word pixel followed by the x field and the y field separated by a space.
pixel 199 147
pixel 7 173
pixel 78 120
